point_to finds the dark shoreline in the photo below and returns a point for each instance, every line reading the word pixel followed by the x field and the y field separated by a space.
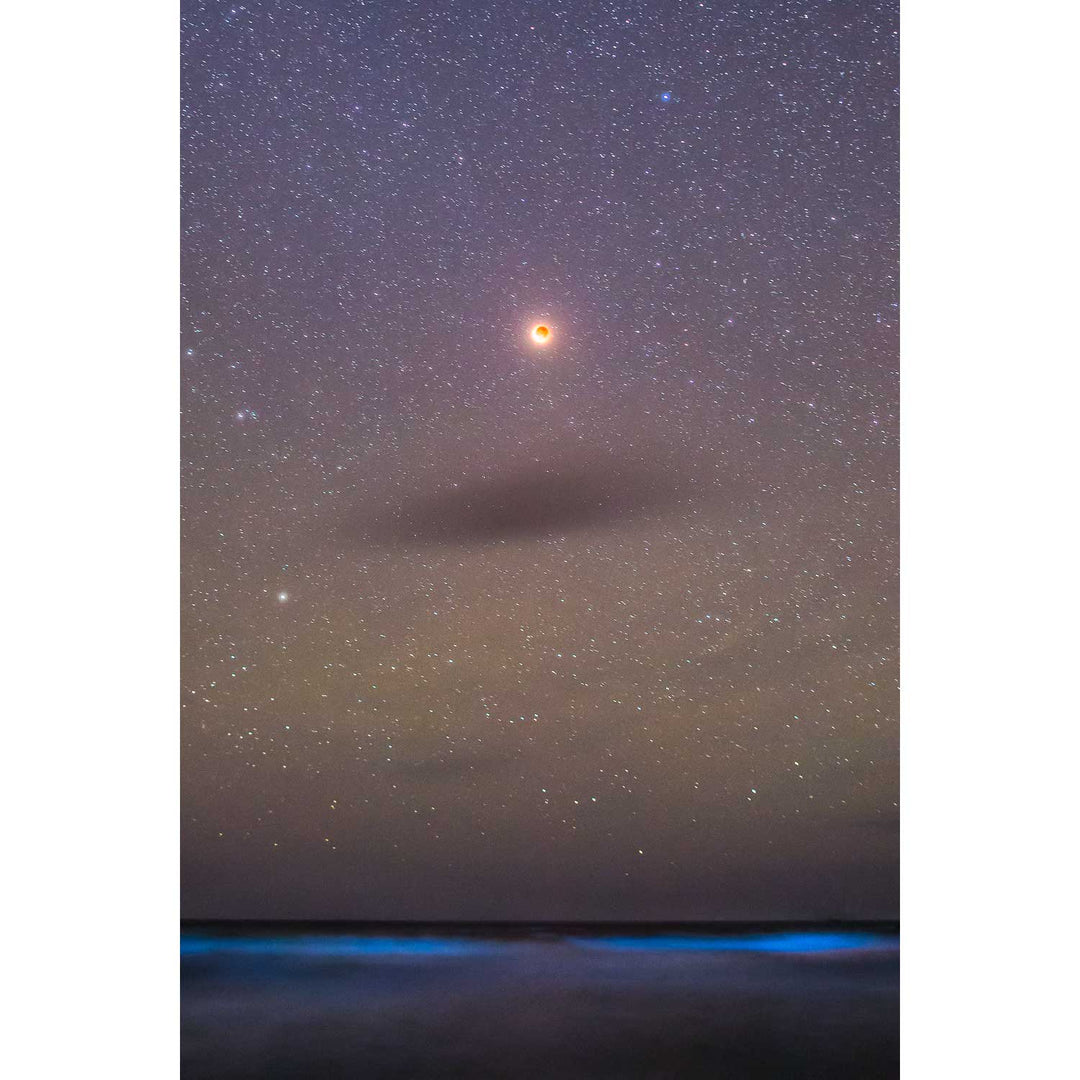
pixel 526 929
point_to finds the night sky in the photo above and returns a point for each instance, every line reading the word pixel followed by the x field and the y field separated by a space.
pixel 603 628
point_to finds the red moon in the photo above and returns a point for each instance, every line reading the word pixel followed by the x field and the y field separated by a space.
pixel 541 334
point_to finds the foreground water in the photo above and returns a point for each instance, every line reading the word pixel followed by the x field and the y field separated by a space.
pixel 552 1002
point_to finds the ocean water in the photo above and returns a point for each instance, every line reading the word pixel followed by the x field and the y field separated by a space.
pixel 539 1002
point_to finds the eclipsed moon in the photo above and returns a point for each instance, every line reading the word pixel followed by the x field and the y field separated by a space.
pixel 541 334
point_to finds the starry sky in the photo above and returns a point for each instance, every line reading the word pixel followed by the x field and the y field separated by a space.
pixel 475 628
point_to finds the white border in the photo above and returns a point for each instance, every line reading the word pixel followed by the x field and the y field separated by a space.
pixel 91 555
pixel 987 581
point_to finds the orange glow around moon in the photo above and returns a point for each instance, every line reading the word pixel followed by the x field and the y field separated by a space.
pixel 541 334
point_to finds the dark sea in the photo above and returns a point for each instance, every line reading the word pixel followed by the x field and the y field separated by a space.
pixel 729 1001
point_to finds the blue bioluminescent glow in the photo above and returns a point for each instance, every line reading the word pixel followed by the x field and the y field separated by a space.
pixel 327 946
pixel 331 946
pixel 803 941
